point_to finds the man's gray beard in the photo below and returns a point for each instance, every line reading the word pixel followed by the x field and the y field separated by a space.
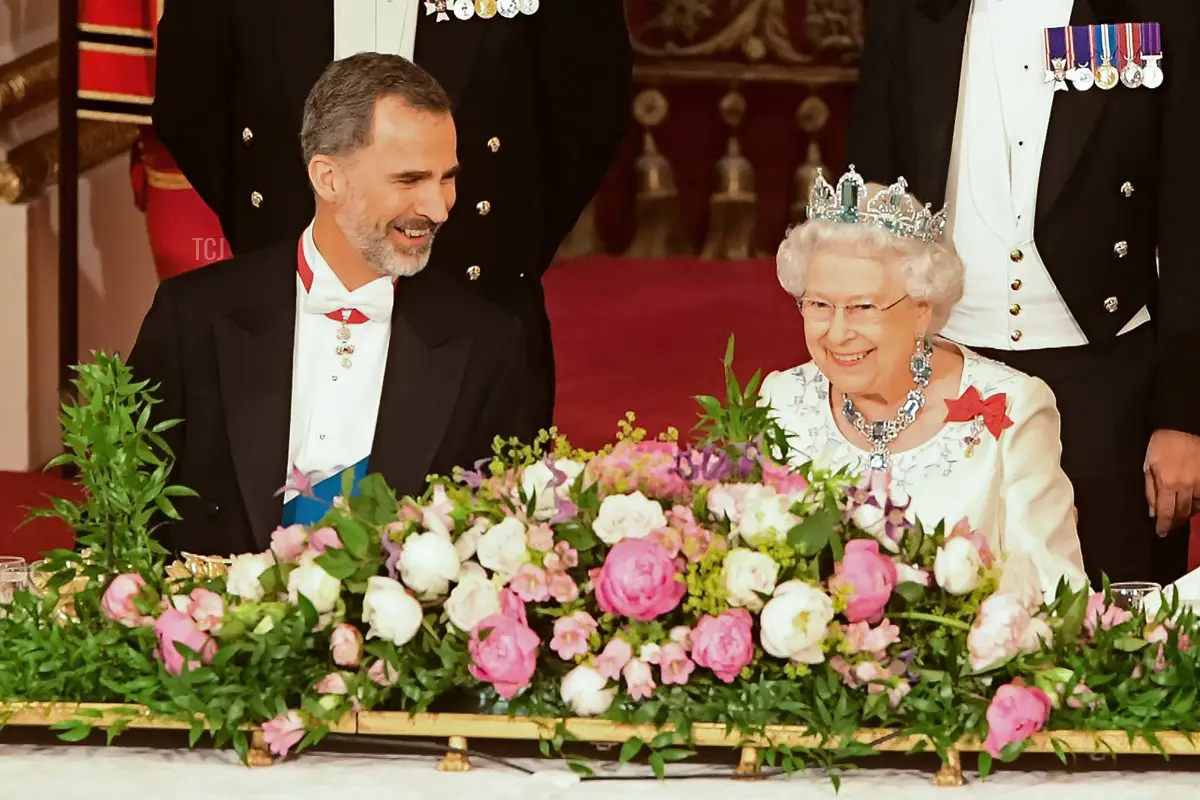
pixel 377 251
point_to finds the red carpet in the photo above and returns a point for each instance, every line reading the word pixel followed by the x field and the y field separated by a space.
pixel 642 336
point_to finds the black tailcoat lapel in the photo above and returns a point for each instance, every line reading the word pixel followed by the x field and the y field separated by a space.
pixel 1074 115
pixel 936 41
pixel 426 361
pixel 254 357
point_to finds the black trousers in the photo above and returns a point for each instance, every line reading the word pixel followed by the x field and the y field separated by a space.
pixel 1103 395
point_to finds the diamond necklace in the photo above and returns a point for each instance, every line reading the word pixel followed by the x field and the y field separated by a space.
pixel 883 433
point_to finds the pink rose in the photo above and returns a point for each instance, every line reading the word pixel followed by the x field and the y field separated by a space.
pixel 383 674
pixel 283 733
pixel 207 609
pixel 507 657
pixel 530 584
pixel 346 645
pixel 1099 616
pixel 288 543
pixel 724 644
pixel 639 679
pixel 177 627
pixel 117 603
pixel 571 635
pixel 333 683
pixel 324 539
pixel 674 664
pixel 614 658
pixel 870 576
pixel 639 579
pixel 1015 713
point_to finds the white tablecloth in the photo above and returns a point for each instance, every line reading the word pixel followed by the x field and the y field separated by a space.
pixel 91 773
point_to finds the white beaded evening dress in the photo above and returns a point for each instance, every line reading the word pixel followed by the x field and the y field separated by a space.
pixel 1011 487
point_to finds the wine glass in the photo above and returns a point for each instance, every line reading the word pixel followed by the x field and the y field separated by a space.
pixel 1130 595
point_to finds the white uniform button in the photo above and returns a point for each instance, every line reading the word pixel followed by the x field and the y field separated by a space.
pixel 256 199
pixel 494 144
pixel 473 272
pixel 1121 249
pixel 1111 305
pixel 1127 189
pixel 247 136
pixel 483 207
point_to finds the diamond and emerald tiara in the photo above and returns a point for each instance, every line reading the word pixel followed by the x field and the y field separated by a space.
pixel 892 208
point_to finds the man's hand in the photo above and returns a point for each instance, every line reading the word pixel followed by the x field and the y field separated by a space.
pixel 1172 478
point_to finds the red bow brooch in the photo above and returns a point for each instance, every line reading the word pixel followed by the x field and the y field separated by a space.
pixel 973 406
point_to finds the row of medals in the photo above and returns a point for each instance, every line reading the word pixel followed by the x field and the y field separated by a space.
pixel 1107 76
pixel 486 9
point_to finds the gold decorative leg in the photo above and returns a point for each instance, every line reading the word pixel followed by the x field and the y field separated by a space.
pixel 951 772
pixel 259 755
pixel 747 768
pixel 455 762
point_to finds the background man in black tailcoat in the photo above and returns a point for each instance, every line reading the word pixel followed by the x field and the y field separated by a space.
pixel 541 94
pixel 1060 202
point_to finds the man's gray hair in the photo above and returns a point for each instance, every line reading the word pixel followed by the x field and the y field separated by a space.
pixel 340 110
pixel 931 272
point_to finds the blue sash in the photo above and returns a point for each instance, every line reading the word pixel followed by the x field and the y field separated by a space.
pixel 302 510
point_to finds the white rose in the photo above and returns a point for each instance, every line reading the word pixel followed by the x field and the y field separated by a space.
pixel 504 547
pixel 242 578
pixel 475 598
pixel 957 565
pixel 583 689
pixel 536 480
pixel 428 563
pixel 907 573
pixel 310 580
pixel 795 621
pixel 627 516
pixel 766 516
pixel 466 544
pixel 392 613
pixel 746 575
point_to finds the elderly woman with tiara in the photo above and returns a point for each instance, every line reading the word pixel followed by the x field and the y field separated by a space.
pixel 962 436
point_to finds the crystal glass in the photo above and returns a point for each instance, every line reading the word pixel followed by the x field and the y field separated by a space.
pixel 14 575
pixel 1130 594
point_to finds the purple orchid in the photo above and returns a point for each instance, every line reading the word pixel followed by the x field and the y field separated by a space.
pixel 708 464
pixel 474 478
pixel 393 550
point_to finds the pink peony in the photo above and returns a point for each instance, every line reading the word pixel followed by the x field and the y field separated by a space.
pixel 870 576
pixel 1003 629
pixel 288 543
pixel 506 657
pixel 674 664
pixel 571 635
pixel 639 679
pixel 529 583
pixel 1015 713
pixel 383 674
pixel 333 683
pixel 177 627
pixel 724 644
pixel 324 539
pixel 563 588
pixel 207 609
pixel 614 658
pixel 639 579
pixel 117 603
pixel 346 645
pixel 283 733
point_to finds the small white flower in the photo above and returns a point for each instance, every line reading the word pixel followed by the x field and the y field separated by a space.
pixel 473 600
pixel 747 574
pixel 766 516
pixel 428 563
pixel 504 547
pixel 586 691
pixel 242 578
pixel 627 516
pixel 393 614
pixel 312 581
pixel 795 621
pixel 957 566
pixel 469 541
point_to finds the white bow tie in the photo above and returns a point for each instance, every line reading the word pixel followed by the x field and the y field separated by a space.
pixel 374 300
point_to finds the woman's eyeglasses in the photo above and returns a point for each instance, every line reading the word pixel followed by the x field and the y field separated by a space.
pixel 855 313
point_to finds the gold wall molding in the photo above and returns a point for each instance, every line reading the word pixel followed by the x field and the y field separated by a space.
pixel 32 167
pixel 28 82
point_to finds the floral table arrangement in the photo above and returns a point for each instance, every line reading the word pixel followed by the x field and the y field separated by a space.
pixel 662 595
